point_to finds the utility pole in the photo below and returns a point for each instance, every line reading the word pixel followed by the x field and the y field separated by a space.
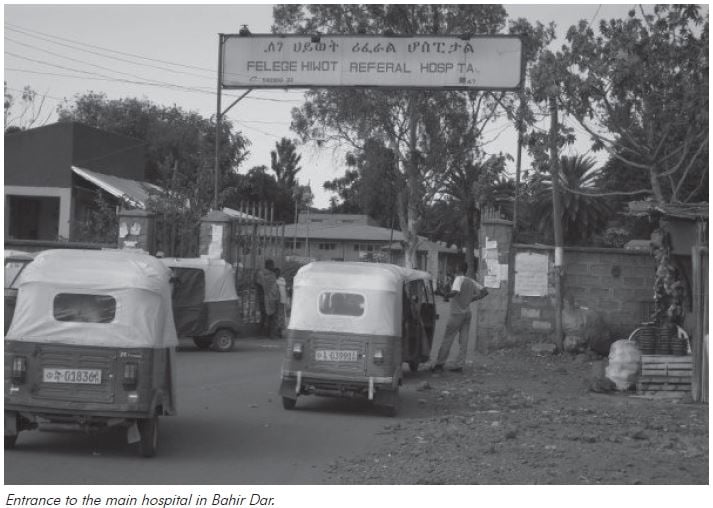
pixel 557 219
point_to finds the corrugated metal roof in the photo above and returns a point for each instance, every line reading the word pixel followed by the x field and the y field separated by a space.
pixel 354 232
pixel 691 211
pixel 133 191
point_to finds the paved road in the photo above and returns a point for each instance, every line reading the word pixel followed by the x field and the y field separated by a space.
pixel 230 429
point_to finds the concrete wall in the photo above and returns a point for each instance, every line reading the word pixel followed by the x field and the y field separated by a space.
pixel 616 283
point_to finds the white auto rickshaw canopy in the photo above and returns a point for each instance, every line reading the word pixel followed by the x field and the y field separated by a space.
pixel 380 285
pixel 137 287
pixel 219 276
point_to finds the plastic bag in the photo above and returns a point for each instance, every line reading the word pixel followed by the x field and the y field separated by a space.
pixel 624 364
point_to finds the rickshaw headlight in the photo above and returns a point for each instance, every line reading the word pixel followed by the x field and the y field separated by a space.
pixel 131 375
pixel 19 369
pixel 379 356
pixel 297 350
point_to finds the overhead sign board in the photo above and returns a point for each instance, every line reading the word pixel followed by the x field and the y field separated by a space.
pixel 300 61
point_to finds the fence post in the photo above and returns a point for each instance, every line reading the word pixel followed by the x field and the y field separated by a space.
pixel 215 237
pixel 137 230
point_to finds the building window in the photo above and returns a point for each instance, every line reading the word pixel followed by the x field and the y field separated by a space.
pixel 327 246
pixel 363 247
pixel 294 245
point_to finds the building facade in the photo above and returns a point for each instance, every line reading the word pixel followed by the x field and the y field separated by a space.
pixel 52 174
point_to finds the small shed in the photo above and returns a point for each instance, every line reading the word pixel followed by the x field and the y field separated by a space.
pixel 687 224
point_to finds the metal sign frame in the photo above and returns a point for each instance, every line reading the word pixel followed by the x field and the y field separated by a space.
pixel 317 39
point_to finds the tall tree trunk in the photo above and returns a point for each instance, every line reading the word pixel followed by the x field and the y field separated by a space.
pixel 470 240
pixel 412 180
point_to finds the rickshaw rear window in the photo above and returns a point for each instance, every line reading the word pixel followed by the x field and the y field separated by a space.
pixel 82 308
pixel 341 304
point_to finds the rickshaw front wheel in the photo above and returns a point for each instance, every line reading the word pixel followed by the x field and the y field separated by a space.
pixel 10 441
pixel 223 340
pixel 148 431
pixel 288 402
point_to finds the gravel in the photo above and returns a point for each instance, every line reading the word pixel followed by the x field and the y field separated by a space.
pixel 523 417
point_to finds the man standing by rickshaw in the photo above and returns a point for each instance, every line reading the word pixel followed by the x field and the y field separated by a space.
pixel 463 292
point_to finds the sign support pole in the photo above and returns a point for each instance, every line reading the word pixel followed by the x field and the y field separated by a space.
pixel 218 122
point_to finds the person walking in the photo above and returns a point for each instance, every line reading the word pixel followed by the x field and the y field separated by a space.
pixel 268 298
pixel 283 304
pixel 463 292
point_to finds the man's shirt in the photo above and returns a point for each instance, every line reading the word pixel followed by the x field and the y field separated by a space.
pixel 466 288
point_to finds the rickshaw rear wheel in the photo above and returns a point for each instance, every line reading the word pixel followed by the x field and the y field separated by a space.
pixel 148 431
pixel 288 402
pixel 203 342
pixel 10 442
pixel 223 340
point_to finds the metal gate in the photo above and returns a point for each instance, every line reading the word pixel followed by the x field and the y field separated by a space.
pixel 256 237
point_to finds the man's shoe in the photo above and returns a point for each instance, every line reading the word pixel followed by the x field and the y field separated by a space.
pixel 437 368
pixel 455 369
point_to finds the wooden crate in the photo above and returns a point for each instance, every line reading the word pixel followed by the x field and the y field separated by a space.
pixel 666 365
pixel 665 375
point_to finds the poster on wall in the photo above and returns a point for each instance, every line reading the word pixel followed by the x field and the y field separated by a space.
pixel 531 274
pixel 215 248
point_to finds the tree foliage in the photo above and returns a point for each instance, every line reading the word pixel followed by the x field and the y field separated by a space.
pixel 582 216
pixel 403 120
pixel 28 112
pixel 371 187
pixel 640 88
pixel 285 162
pixel 180 151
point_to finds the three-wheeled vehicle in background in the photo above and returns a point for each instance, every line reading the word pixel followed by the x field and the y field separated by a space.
pixel 91 346
pixel 15 263
pixel 351 328
pixel 205 304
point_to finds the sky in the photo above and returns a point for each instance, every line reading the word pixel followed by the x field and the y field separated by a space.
pixel 168 54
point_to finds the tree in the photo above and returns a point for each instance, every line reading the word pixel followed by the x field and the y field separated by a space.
pixel 180 150
pixel 285 163
pixel 399 119
pixel 640 89
pixel 370 188
pixel 259 188
pixel 582 216
pixel 31 107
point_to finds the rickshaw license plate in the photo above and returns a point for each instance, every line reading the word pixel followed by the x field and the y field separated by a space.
pixel 331 355
pixel 74 376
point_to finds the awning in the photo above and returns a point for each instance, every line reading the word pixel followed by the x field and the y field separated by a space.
pixel 134 192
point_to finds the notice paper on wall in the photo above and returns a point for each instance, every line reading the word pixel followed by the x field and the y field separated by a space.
pixel 215 248
pixel 531 274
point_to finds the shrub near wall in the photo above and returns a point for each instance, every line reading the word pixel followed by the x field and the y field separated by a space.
pixel 612 282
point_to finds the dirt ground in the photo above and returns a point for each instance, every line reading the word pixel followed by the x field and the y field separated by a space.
pixel 519 417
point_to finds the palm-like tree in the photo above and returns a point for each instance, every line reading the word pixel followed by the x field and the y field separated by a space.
pixel 285 163
pixel 582 215
pixel 466 188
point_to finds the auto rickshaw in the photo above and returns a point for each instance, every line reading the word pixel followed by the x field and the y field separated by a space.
pixel 91 346
pixel 351 328
pixel 205 303
pixel 15 263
